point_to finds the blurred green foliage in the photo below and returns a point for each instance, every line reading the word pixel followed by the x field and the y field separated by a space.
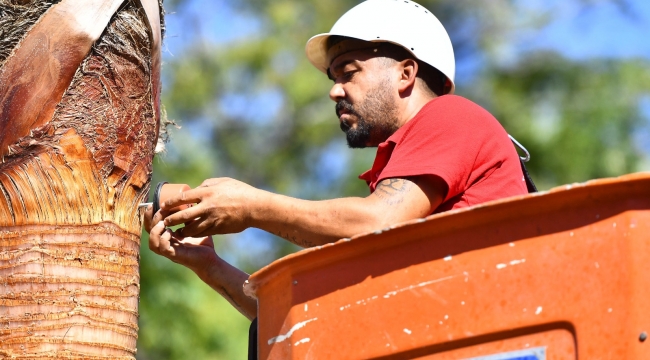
pixel 256 110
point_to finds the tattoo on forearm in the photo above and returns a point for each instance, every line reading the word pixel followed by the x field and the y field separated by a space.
pixel 392 191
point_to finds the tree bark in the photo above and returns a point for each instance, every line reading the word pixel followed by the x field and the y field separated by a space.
pixel 79 121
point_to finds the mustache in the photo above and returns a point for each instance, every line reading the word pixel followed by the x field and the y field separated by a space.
pixel 344 105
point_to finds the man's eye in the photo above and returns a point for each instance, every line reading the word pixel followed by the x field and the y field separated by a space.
pixel 345 76
pixel 348 74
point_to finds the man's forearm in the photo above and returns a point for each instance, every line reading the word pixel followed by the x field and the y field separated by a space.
pixel 228 281
pixel 312 223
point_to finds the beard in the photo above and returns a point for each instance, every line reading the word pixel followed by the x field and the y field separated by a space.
pixel 376 117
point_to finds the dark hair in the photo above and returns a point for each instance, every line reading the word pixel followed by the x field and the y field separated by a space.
pixel 434 80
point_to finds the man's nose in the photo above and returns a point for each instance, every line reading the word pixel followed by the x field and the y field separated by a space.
pixel 337 93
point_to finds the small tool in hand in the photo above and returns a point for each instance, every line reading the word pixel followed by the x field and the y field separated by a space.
pixel 163 192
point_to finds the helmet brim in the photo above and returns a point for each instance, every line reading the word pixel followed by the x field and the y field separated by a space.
pixel 316 50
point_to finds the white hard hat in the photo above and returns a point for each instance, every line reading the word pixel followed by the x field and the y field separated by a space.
pixel 401 22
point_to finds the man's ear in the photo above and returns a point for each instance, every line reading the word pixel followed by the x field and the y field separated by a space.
pixel 409 70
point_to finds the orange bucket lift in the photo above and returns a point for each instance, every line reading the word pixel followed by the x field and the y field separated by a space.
pixel 563 274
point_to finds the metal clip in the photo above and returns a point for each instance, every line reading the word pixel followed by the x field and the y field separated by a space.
pixel 517 144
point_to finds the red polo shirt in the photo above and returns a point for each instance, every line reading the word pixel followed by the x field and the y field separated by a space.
pixel 458 141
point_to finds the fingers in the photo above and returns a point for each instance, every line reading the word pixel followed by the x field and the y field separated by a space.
pixel 160 240
pixel 197 228
pixel 164 247
pixel 157 217
pixel 192 241
pixel 154 236
pixel 186 197
pixel 148 218
pixel 184 216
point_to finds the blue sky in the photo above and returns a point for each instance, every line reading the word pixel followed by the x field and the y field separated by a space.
pixel 601 30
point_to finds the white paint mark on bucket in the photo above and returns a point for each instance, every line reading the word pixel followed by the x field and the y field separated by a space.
pixel 281 338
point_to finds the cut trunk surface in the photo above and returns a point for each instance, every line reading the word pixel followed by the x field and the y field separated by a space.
pixel 79 118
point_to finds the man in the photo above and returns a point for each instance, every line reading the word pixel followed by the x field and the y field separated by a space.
pixel 392 88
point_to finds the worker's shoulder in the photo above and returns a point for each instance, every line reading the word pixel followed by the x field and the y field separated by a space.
pixel 457 103
pixel 454 110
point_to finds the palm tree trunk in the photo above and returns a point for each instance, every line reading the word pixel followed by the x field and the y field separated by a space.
pixel 79 118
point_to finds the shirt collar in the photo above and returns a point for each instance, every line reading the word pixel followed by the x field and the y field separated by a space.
pixel 398 135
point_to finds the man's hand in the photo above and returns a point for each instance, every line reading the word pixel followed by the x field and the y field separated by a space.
pixel 197 254
pixel 221 206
